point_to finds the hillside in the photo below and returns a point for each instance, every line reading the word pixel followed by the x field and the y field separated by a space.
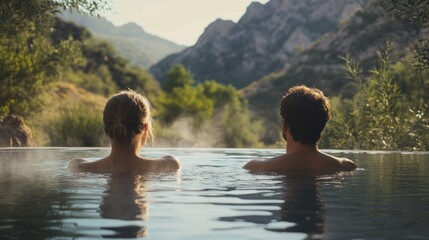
pixel 263 41
pixel 321 64
pixel 72 111
pixel 131 41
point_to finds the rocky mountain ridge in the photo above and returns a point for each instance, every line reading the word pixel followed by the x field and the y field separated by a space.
pixel 321 64
pixel 263 41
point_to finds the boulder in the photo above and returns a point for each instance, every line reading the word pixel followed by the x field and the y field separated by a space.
pixel 14 132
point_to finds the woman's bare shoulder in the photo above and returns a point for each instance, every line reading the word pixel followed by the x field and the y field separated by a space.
pixel 165 163
pixel 172 161
pixel 75 165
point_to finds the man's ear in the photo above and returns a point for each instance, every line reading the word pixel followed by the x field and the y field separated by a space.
pixel 285 126
pixel 285 129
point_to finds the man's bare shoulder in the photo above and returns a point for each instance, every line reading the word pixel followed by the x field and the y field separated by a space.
pixel 347 164
pixel 344 164
pixel 317 161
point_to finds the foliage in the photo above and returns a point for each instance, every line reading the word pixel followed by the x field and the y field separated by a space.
pixel 18 16
pixel 213 108
pixel 28 58
pixel 414 85
pixel 233 118
pixel 104 72
pixel 80 125
pixel 380 116
pixel 64 97
pixel 29 63
pixel 414 10
pixel 183 102
pixel 32 58
pixel 177 77
pixel 222 95
pixel 239 129
pixel 422 54
pixel 182 99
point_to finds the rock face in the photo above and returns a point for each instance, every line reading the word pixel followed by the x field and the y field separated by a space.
pixel 321 65
pixel 263 41
pixel 14 132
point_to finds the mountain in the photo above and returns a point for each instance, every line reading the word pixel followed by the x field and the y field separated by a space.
pixel 131 41
pixel 320 65
pixel 263 41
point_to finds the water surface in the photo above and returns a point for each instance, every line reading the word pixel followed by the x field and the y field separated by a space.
pixel 212 197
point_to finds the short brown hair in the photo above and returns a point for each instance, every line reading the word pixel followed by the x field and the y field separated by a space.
pixel 306 111
pixel 125 115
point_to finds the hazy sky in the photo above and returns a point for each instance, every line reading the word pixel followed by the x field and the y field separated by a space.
pixel 181 21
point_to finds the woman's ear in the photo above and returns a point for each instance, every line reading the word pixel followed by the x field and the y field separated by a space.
pixel 146 130
pixel 144 135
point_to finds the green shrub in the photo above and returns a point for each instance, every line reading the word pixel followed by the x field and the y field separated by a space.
pixel 208 114
pixel 79 125
pixel 380 116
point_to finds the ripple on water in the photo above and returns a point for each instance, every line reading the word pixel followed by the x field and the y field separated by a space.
pixel 212 197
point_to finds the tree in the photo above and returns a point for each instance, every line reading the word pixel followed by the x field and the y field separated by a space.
pixel 28 58
pixel 177 76
pixel 232 116
pixel 17 16
pixel 221 94
pixel 28 63
pixel 218 111
pixel 380 116
pixel 184 102
pixel 414 10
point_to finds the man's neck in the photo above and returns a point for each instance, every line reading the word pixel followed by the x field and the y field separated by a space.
pixel 293 146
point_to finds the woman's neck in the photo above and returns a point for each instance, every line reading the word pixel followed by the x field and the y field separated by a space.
pixel 124 152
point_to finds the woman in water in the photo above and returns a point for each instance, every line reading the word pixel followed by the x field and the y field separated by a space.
pixel 128 124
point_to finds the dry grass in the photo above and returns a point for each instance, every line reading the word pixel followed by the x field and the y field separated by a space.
pixel 61 100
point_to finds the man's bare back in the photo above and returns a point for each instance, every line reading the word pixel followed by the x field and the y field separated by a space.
pixel 305 112
pixel 313 160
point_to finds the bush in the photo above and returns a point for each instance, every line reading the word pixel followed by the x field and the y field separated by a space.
pixel 79 125
pixel 380 116
pixel 208 114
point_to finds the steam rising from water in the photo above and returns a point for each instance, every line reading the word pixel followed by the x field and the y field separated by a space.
pixel 23 178
pixel 182 133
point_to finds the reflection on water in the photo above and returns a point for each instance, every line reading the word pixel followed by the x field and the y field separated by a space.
pixel 302 205
pixel 301 210
pixel 387 198
pixel 30 202
pixel 125 198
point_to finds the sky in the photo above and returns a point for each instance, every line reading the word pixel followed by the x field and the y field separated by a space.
pixel 180 21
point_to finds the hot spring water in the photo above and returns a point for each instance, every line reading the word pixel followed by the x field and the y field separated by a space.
pixel 212 197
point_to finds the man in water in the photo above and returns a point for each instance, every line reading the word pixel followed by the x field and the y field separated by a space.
pixel 305 112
